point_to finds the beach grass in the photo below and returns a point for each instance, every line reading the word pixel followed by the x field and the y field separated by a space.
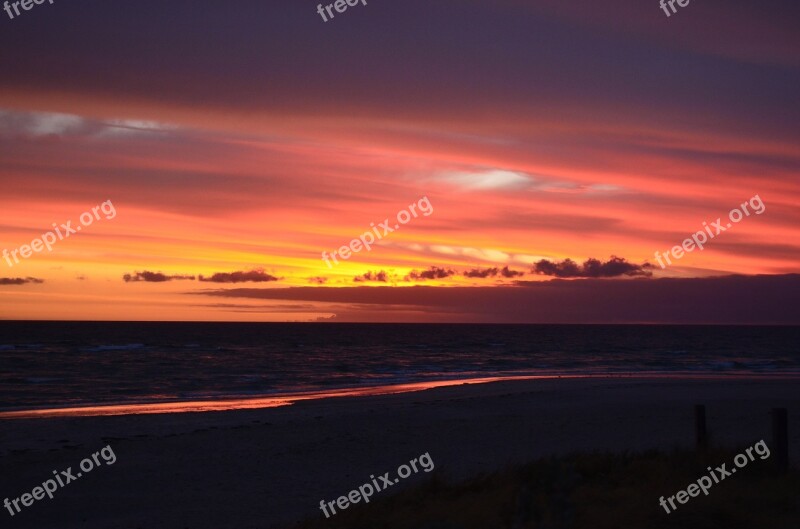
pixel 589 491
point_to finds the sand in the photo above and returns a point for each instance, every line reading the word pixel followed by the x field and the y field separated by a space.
pixel 262 468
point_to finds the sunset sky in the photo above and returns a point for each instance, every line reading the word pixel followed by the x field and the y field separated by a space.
pixel 252 136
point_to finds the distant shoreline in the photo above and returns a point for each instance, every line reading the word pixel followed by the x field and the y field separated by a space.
pixel 274 401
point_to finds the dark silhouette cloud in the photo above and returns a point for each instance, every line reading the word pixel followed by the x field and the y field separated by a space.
pixel 432 273
pixel 481 274
pixel 318 280
pixel 492 272
pixel 505 272
pixel 153 277
pixel 729 300
pixel 566 268
pixel 254 276
pixel 381 277
pixel 591 268
pixel 19 280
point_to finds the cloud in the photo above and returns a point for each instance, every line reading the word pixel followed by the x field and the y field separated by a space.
pixel 489 179
pixel 39 123
pixel 318 280
pixel 139 125
pixel 614 267
pixel 505 272
pixel 19 280
pixel 713 300
pixel 492 272
pixel 482 274
pixel 381 277
pixel 153 277
pixel 256 276
pixel 566 268
pixel 43 124
pixel 500 179
pixel 432 273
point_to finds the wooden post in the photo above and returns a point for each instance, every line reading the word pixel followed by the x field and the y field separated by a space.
pixel 780 438
pixel 701 434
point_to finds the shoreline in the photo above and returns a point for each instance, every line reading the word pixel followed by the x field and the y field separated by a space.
pixel 287 399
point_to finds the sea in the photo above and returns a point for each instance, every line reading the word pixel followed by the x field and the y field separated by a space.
pixel 62 364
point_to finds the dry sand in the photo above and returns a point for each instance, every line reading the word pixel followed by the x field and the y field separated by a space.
pixel 259 468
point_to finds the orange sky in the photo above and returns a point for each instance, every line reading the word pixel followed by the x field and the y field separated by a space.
pixel 518 167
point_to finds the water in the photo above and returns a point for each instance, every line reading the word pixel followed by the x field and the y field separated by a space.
pixel 56 364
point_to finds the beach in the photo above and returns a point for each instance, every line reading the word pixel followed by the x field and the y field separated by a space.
pixel 430 265
pixel 260 468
